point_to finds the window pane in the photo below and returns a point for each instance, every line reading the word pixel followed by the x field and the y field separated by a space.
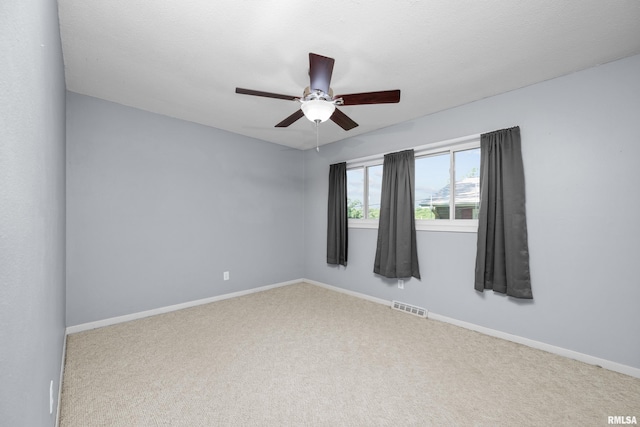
pixel 355 193
pixel 374 190
pixel 432 187
pixel 467 176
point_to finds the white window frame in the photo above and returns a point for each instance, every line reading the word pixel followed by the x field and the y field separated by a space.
pixel 443 147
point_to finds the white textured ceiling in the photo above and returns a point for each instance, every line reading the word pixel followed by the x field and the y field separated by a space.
pixel 185 58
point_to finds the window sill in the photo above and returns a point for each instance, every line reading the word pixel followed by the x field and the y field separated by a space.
pixel 362 223
pixel 456 226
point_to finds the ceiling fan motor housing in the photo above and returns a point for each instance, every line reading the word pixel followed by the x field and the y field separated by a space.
pixel 310 95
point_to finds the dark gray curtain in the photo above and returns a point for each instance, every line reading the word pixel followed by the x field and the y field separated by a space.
pixel 337 238
pixel 396 253
pixel 502 260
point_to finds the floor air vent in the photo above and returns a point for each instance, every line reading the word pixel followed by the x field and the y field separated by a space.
pixel 408 308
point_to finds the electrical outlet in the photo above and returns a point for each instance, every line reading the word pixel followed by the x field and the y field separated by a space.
pixel 400 284
pixel 51 397
pixel 226 275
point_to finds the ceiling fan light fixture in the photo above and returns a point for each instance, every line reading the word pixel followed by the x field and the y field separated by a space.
pixel 318 110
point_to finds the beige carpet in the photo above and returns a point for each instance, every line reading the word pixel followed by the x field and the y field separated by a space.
pixel 302 355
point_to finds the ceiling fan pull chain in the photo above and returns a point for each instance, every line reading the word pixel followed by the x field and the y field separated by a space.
pixel 317 136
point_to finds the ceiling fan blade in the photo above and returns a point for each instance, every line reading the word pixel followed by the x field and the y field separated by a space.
pixel 265 94
pixel 381 97
pixel 342 120
pixel 320 70
pixel 290 120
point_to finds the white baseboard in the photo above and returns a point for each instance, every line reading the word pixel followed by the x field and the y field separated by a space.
pixel 592 360
pixel 560 351
pixel 348 292
pixel 142 314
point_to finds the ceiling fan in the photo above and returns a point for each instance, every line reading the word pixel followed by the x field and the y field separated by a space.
pixel 318 102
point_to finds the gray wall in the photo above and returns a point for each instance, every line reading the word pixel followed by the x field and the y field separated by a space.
pixel 159 208
pixel 32 211
pixel 581 147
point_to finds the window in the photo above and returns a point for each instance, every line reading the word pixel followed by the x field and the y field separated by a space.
pixel 364 183
pixel 355 193
pixel 434 198
pixel 439 206
pixel 467 179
